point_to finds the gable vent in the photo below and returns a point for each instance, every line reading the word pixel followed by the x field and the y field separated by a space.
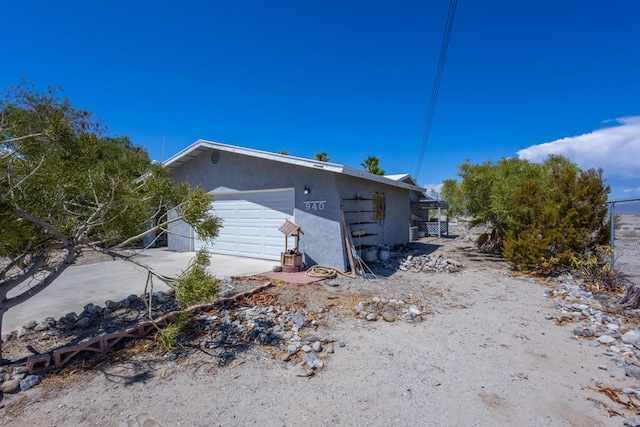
pixel 215 156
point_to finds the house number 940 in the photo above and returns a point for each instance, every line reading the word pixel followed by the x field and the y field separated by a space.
pixel 317 205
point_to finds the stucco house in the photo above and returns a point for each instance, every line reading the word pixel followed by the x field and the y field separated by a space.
pixel 255 191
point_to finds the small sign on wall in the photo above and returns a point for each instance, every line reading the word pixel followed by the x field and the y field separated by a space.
pixel 314 205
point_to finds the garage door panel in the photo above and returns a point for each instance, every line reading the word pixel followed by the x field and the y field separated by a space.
pixel 227 231
pixel 250 223
pixel 250 248
pixel 274 233
pixel 225 246
pixel 273 251
pixel 249 213
pixel 250 231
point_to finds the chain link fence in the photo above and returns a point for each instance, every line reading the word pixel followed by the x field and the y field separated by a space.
pixel 626 238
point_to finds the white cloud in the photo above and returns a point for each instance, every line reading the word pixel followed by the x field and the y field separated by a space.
pixel 632 190
pixel 615 149
pixel 432 188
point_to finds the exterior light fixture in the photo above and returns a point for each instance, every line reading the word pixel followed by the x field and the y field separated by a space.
pixel 306 190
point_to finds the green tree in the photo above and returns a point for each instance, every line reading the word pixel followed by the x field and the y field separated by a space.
pixel 486 191
pixel 283 152
pixel 370 165
pixel 321 157
pixel 64 186
pixel 541 214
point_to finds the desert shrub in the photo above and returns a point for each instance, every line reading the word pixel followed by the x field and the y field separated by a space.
pixel 194 285
pixel 542 214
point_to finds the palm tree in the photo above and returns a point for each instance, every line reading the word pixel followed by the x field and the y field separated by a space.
pixel 370 164
pixel 321 157
pixel 283 152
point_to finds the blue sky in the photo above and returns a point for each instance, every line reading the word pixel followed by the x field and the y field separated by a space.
pixel 350 78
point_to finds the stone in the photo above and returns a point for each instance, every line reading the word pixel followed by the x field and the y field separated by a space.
pixel 83 322
pixel 111 305
pixel 306 348
pixel 606 339
pixel 71 317
pixel 90 308
pixel 631 337
pixel 318 364
pixel 309 357
pixel 414 310
pixel 21 332
pixel 298 320
pixel 632 371
pixel 30 324
pixel 629 421
pixel 371 317
pixel 408 316
pixel 41 327
pixel 133 298
pixel 10 386
pixel 30 381
pixel 317 346
pixel 125 303
pixel 286 357
pixel 388 317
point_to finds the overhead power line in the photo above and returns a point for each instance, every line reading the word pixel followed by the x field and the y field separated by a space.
pixel 436 84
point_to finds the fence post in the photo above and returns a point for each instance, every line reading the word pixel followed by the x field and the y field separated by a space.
pixel 612 220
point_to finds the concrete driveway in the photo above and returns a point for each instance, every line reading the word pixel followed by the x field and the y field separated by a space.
pixel 95 283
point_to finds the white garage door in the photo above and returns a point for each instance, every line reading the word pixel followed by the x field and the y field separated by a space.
pixel 250 223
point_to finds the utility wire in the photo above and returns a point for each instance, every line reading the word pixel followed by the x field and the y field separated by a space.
pixel 436 83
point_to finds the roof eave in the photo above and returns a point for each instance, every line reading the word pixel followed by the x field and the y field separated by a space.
pixel 202 145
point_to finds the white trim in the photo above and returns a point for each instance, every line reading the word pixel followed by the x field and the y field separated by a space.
pixel 202 145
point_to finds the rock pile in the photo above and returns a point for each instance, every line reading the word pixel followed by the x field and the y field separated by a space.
pixel 13 380
pixel 268 326
pixel 435 263
pixel 94 318
pixel 389 309
pixel 619 339
pixel 93 321
pixel 417 263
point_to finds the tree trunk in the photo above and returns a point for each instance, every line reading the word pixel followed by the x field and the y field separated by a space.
pixel 632 298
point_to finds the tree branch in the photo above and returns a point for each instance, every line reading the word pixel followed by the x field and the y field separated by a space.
pixel 35 220
pixel 55 273
pixel 21 137
pixel 6 285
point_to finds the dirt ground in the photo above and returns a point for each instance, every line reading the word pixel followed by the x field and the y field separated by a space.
pixel 485 353
pixel 627 247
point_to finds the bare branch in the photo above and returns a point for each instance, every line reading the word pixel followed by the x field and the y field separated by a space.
pixel 116 254
pixel 149 231
pixel 30 174
pixel 55 273
pixel 22 137
pixel 33 219
pixel 6 285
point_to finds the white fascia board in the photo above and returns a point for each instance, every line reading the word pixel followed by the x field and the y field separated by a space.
pixel 282 158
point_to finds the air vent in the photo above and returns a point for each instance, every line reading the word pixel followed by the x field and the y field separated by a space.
pixel 215 156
